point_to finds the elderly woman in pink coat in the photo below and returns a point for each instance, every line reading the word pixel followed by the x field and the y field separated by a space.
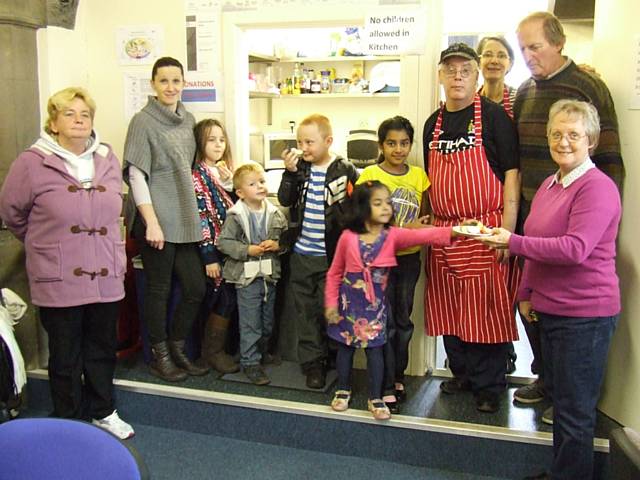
pixel 62 197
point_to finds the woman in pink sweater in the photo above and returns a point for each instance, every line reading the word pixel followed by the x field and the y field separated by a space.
pixel 569 284
pixel 355 292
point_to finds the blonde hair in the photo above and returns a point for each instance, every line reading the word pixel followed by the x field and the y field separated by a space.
pixel 242 171
pixel 61 100
pixel 586 112
pixel 551 27
pixel 322 122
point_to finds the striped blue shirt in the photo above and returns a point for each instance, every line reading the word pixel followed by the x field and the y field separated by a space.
pixel 311 240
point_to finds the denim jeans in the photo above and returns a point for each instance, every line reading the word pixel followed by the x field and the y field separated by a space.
pixel 574 350
pixel 256 303
pixel 400 293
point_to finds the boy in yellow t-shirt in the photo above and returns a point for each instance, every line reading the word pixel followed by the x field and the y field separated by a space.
pixel 408 185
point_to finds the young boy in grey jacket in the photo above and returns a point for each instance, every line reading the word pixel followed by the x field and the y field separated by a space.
pixel 250 240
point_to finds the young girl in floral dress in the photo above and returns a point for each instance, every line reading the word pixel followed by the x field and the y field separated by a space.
pixel 355 293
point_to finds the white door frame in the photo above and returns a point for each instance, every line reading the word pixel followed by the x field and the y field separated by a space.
pixel 418 98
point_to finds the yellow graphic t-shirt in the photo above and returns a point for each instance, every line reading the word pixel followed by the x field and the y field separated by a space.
pixel 406 193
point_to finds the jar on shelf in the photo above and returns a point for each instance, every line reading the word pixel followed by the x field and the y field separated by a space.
pixel 315 85
pixel 325 81
pixel 340 85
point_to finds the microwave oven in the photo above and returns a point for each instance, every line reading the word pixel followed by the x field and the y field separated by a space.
pixel 266 148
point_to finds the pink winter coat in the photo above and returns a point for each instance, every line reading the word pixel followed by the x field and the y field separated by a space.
pixel 75 255
pixel 349 259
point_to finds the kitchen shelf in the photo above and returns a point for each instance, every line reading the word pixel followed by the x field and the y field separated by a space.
pixel 263 95
pixel 260 58
pixel 320 96
pixel 342 58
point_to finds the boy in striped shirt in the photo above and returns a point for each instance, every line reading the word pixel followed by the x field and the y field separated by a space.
pixel 314 186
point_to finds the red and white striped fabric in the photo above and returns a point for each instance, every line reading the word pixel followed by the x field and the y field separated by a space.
pixel 469 294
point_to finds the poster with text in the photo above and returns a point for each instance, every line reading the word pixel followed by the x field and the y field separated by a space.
pixel 395 31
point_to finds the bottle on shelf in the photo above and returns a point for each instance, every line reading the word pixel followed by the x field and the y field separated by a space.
pixel 325 81
pixel 296 79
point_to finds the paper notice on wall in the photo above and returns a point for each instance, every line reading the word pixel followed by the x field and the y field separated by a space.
pixel 140 44
pixel 634 101
pixel 202 92
pixel 395 31
pixel 202 22
pixel 137 89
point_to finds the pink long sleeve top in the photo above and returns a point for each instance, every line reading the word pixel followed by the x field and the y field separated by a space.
pixel 570 248
pixel 348 259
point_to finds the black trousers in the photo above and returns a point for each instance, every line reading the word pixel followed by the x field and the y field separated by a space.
pixel 183 259
pixel 483 364
pixel 308 275
pixel 82 346
pixel 400 293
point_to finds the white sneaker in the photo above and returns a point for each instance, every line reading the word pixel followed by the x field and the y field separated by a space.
pixel 114 424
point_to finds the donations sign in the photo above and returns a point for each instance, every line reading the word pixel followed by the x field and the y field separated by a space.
pixel 395 31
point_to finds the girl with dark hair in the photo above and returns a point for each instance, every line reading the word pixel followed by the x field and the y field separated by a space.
pixel 212 178
pixel 356 303
pixel 408 185
pixel 496 61
pixel 162 215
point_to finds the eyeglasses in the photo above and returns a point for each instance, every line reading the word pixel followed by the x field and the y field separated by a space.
pixel 491 56
pixel 572 137
pixel 450 71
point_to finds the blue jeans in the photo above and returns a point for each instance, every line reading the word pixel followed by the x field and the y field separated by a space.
pixel 256 303
pixel 574 352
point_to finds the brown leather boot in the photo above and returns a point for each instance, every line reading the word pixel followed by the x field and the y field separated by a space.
pixel 176 347
pixel 162 366
pixel 215 336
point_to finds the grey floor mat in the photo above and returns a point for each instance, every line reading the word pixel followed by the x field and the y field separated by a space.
pixel 286 375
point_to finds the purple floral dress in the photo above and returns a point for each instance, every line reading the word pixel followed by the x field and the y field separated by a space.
pixel 363 323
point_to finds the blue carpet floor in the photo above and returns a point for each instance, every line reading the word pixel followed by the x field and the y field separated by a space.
pixel 172 454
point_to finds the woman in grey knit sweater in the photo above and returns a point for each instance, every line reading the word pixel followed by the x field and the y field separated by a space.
pixel 162 215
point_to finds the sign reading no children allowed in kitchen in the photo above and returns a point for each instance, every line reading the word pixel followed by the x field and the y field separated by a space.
pixel 395 31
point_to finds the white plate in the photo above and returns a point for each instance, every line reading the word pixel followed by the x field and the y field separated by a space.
pixel 462 230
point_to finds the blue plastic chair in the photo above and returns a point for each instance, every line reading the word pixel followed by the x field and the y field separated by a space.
pixel 58 449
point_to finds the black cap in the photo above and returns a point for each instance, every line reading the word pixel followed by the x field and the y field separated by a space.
pixel 459 50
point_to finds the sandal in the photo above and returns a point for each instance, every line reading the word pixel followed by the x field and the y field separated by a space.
pixel 341 400
pixel 392 403
pixel 401 393
pixel 379 410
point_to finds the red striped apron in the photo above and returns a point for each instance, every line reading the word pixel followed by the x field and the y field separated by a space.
pixel 506 101
pixel 469 294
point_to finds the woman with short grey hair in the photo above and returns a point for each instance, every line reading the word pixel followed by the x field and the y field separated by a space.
pixel 569 284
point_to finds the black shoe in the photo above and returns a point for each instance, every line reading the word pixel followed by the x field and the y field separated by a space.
pixel 316 376
pixel 401 394
pixel 487 402
pixel 391 401
pixel 256 374
pixel 455 385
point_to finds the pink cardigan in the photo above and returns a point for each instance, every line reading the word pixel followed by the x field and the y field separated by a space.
pixel 348 258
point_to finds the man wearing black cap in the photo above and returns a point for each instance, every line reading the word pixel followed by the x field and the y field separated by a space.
pixel 471 157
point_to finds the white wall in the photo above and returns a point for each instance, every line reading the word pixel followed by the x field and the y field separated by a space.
pixel 614 34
